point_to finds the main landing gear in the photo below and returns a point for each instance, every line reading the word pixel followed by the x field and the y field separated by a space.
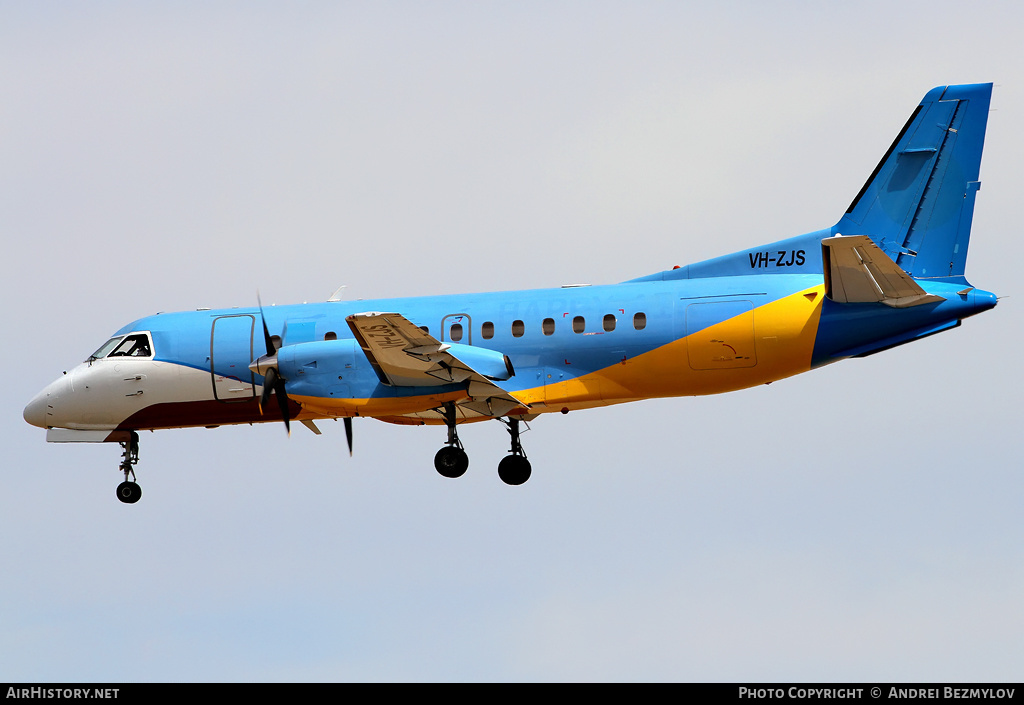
pixel 514 469
pixel 129 492
pixel 452 461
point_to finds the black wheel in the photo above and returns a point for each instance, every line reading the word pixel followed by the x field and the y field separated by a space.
pixel 129 492
pixel 451 461
pixel 514 470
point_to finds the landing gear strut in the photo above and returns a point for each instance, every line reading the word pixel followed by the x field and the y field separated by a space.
pixel 451 461
pixel 129 492
pixel 514 469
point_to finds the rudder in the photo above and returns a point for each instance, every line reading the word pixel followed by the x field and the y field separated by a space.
pixel 918 203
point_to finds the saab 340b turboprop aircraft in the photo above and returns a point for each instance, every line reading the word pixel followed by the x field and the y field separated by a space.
pixel 891 271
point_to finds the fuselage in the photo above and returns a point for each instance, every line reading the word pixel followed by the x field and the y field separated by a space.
pixel 889 272
pixel 570 348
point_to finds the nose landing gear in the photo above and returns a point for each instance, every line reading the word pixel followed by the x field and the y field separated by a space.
pixel 129 492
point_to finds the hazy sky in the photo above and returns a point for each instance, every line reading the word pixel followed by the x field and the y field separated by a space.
pixel 861 522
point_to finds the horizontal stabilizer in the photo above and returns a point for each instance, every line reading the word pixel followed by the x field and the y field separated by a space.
pixel 858 271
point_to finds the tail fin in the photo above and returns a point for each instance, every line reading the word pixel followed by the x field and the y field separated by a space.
pixel 918 203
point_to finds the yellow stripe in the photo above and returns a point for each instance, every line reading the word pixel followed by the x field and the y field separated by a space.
pixel 771 342
pixel 783 334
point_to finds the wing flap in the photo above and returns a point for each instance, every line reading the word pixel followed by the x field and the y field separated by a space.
pixel 404 355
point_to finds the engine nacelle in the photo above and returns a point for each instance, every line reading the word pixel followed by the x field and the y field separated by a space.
pixel 490 363
pixel 344 359
pixel 323 357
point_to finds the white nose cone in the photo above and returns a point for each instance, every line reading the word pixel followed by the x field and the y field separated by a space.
pixel 35 412
pixel 42 409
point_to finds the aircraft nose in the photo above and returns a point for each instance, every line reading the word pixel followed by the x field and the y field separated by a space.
pixel 42 409
pixel 35 412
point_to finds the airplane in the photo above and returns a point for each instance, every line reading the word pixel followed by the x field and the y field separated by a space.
pixel 889 272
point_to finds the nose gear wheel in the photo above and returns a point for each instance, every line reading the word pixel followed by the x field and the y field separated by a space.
pixel 129 491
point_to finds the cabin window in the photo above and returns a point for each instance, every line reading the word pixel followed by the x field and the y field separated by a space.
pixel 132 346
pixel 456 332
pixel 548 326
pixel 330 335
pixel 518 328
pixel 609 323
pixel 487 330
pixel 640 321
pixel 579 324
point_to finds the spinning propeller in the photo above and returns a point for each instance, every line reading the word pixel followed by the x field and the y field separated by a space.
pixel 274 382
pixel 266 365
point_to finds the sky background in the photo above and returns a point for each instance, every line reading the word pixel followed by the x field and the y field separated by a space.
pixel 861 522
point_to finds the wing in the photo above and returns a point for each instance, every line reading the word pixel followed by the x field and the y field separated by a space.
pixel 404 355
pixel 857 271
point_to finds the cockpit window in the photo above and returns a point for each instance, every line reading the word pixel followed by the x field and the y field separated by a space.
pixel 106 348
pixel 135 345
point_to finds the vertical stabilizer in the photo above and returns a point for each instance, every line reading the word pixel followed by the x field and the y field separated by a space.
pixel 918 204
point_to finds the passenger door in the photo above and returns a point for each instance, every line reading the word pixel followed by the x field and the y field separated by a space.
pixel 231 351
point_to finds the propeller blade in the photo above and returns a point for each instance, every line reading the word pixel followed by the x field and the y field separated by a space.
pixel 348 433
pixel 282 403
pixel 273 382
pixel 271 349
pixel 268 386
